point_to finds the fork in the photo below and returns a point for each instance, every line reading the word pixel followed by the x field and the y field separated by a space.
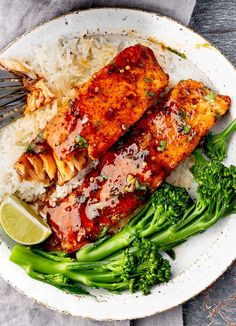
pixel 12 97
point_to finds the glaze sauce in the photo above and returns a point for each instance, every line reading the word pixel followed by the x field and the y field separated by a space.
pixel 136 166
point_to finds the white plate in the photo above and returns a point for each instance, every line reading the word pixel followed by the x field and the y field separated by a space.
pixel 203 258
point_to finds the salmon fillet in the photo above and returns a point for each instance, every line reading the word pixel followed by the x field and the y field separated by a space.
pixel 135 167
pixel 104 108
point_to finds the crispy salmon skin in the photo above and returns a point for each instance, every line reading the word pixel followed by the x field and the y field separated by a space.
pixel 134 168
pixel 104 108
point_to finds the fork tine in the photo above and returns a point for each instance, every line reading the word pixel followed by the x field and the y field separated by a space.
pixel 10 118
pixel 11 90
pixel 7 75
pixel 4 84
pixel 15 104
pixel 11 108
pixel 10 87
pixel 4 74
pixel 11 99
pixel 10 78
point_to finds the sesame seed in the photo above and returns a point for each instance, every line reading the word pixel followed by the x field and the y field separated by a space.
pixel 122 70
pixel 127 68
pixel 123 126
pixel 91 179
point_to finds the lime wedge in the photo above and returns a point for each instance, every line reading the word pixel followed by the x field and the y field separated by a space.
pixel 21 223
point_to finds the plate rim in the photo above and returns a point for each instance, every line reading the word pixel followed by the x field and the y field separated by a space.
pixel 44 22
pixel 72 12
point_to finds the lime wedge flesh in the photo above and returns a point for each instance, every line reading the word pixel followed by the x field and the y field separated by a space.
pixel 21 223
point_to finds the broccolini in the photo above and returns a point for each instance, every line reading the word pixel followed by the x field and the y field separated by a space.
pixel 139 267
pixel 216 198
pixel 216 144
pixel 166 207
pixel 216 193
pixel 130 259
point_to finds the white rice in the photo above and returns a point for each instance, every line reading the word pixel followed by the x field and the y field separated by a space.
pixel 65 64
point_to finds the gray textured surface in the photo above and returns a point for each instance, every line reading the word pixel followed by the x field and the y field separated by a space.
pixel 172 317
pixel 17 310
pixel 31 12
pixel 216 20
pixel 216 306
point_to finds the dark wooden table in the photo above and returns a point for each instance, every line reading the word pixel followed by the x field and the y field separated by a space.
pixel 215 20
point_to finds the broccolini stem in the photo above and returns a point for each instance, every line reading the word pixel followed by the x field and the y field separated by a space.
pixel 229 130
pixel 106 280
pixel 154 217
pixel 174 236
pixel 119 241
pixel 158 222
pixel 199 157
pixel 71 287
pixel 134 272
pixel 34 263
pixel 91 277
pixel 25 257
pixel 191 214
pixel 198 220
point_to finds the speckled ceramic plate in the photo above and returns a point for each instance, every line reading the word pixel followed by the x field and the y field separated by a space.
pixel 203 258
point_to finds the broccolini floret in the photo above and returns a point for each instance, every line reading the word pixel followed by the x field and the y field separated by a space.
pixel 215 145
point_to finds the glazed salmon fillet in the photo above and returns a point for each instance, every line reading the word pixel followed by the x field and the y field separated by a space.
pixel 103 110
pixel 136 166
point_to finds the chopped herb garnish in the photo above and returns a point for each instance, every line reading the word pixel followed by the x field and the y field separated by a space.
pixel 150 94
pixel 81 199
pixel 81 141
pixel 104 231
pixel 182 114
pixel 39 138
pixel 31 149
pixel 102 178
pixel 139 186
pixel 96 123
pixel 147 80
pixel 180 54
pixel 70 102
pixel 162 146
pixel 164 107
pixel 218 115
pixel 112 68
pixel 210 97
pixel 186 129
pixel 190 137
pixel 114 192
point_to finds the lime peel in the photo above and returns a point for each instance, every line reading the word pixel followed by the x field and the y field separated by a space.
pixel 21 223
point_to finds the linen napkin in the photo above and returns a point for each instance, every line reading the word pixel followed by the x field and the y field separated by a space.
pixel 16 17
